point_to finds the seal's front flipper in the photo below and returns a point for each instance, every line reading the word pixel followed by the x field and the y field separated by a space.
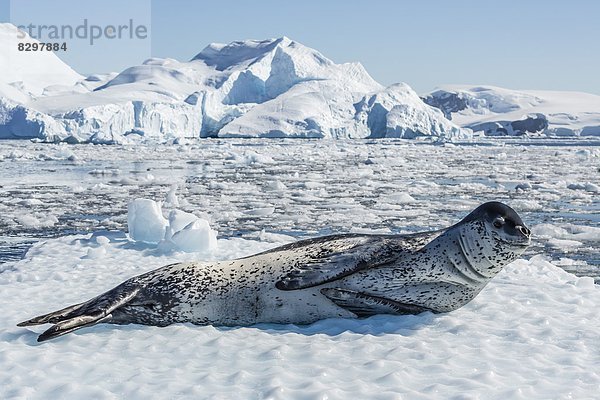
pixel 338 258
pixel 91 312
pixel 365 305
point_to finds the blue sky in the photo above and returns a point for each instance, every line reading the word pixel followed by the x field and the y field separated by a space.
pixel 516 44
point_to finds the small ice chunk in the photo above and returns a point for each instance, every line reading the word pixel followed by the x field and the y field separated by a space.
pixel 576 186
pixel 564 244
pixel 31 202
pixel 261 211
pixel 197 236
pixel 78 189
pixel 171 199
pixel 588 187
pixel 584 154
pixel 585 282
pixel 275 186
pixel 102 240
pixel 145 221
pixel 178 220
pixel 312 185
pixel 400 198
pixel 274 237
pixel 592 187
pixel 524 186
pixel 567 231
pixel 252 157
pixel 526 205
pixel 95 253
pixel 549 231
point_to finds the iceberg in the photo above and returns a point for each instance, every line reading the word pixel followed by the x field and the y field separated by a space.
pixel 495 111
pixel 252 88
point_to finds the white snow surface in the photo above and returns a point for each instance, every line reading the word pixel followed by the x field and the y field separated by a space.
pixel 499 111
pixel 531 333
pixel 272 88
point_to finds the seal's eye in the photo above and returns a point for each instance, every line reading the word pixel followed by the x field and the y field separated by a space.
pixel 498 222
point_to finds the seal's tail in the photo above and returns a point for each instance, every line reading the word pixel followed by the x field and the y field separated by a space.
pixel 99 309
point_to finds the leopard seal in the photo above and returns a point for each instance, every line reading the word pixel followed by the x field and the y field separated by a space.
pixel 345 275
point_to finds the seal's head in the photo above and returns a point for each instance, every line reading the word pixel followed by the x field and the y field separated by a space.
pixel 491 236
pixel 503 223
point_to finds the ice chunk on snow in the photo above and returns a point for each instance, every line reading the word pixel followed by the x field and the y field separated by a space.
pixel 189 233
pixel 102 240
pixel 178 220
pixel 145 221
pixel 184 230
pixel 95 253
pixel 586 282
pixel 197 236
pixel 275 185
pixel 251 157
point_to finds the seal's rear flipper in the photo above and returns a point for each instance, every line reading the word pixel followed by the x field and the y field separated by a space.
pixel 91 312
pixel 365 305
pixel 71 325
pixel 52 317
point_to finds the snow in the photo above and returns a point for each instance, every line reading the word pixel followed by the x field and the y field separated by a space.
pixel 498 111
pixel 270 88
pixel 531 333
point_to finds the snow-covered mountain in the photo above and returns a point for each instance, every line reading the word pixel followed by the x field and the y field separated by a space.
pixel 23 77
pixel 269 88
pixel 496 111
pixel 26 74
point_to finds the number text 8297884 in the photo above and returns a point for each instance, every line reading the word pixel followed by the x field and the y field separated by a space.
pixel 35 46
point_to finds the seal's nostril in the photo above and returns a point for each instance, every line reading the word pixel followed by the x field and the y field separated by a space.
pixel 524 230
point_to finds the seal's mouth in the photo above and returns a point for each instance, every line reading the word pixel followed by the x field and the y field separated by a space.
pixel 520 244
pixel 525 241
